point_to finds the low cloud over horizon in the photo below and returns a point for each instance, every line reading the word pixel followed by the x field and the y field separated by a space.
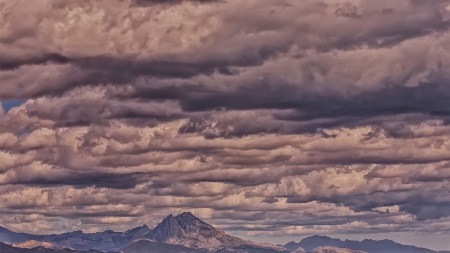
pixel 265 118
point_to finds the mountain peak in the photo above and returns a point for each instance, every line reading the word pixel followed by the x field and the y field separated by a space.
pixel 166 230
pixel 184 225
pixel 187 230
pixel 318 237
pixel 136 232
pixel 186 215
pixel 188 221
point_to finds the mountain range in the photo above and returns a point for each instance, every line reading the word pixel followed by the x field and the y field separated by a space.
pixel 371 246
pixel 184 233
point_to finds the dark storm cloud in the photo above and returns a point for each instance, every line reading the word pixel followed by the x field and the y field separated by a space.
pixel 77 111
pixel 102 69
pixel 426 210
pixel 270 200
pixel 430 99
pixel 82 180
pixel 133 68
pixel 54 58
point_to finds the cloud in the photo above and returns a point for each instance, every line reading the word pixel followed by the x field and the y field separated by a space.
pixel 265 118
pixel 347 10
pixel 169 2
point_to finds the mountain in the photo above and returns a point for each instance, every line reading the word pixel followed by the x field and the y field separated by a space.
pixel 371 246
pixel 248 248
pixel 34 244
pixel 7 236
pixel 104 241
pixel 185 233
pixel 4 248
pixel 184 230
pixel 150 246
pixel 328 249
pixel 189 231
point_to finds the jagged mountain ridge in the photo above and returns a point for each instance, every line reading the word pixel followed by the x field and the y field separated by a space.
pixel 184 229
pixel 189 234
pixel 4 248
pixel 104 241
pixel 370 246
pixel 8 236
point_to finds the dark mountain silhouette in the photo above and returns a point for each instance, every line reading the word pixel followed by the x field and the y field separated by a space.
pixel 371 246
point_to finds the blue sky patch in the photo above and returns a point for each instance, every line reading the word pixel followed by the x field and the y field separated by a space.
pixel 8 104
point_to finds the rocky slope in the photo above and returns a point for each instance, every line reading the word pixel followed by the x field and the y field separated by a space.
pixel 370 246
pixel 34 244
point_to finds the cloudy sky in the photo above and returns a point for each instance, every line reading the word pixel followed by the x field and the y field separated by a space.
pixel 273 120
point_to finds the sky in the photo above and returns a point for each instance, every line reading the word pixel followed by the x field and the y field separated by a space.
pixel 273 120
